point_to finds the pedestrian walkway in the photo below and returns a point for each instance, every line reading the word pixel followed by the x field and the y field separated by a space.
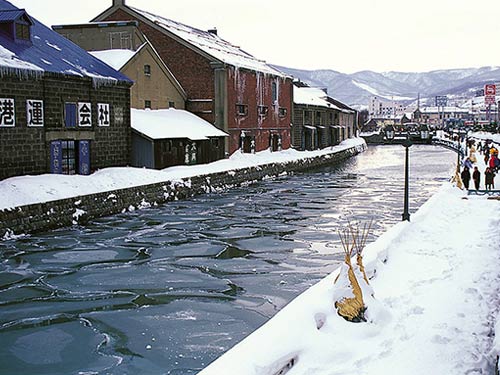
pixel 436 284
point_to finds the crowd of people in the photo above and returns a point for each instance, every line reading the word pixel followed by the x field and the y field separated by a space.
pixel 491 161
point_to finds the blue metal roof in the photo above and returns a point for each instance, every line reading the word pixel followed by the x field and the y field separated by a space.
pixel 51 52
pixel 11 15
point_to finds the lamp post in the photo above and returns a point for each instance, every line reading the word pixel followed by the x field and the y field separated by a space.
pixel 406 212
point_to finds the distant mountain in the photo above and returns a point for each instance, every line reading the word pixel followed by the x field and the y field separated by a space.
pixel 357 88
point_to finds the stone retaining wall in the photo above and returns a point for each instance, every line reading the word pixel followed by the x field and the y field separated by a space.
pixel 79 210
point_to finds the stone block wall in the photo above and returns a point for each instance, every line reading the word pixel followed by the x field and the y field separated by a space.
pixel 79 210
pixel 26 150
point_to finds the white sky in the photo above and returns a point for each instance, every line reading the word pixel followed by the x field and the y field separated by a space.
pixel 347 36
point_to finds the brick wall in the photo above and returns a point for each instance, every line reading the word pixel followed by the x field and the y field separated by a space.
pixel 25 150
pixel 79 210
pixel 252 90
pixel 197 76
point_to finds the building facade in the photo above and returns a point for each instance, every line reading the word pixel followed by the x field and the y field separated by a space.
pixel 61 109
pixel 241 95
pixel 319 120
pixel 123 46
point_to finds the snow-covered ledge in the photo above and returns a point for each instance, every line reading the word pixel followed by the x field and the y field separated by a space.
pixel 435 282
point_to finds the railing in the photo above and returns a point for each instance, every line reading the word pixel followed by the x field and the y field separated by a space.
pixel 451 145
pixel 491 193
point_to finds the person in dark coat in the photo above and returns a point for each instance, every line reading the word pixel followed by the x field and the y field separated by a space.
pixel 465 177
pixel 489 179
pixel 476 176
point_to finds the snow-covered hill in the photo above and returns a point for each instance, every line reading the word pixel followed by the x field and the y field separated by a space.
pixel 356 89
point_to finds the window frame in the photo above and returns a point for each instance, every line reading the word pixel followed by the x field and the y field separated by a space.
pixel 262 110
pixel 241 109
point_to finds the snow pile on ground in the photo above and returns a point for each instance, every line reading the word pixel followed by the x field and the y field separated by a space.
pixel 435 281
pixel 19 191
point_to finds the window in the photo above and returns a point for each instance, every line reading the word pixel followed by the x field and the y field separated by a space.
pixel 282 112
pixel 262 110
pixel 307 117
pixel 147 70
pixel 318 118
pixel 68 157
pixel 171 104
pixel 166 146
pixel 70 115
pixel 22 31
pixel 241 109
pixel 147 104
pixel 120 40
pixel 274 89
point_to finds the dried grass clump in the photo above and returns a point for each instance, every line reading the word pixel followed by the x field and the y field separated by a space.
pixel 351 306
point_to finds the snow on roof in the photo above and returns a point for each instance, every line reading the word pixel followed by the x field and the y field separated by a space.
pixel 212 44
pixel 441 109
pixel 172 123
pixel 49 52
pixel 116 58
pixel 314 96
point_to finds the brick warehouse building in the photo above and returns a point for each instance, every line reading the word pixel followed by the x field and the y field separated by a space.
pixel 245 97
pixel 61 109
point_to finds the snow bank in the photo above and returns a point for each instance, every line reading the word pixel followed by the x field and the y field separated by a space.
pixel 19 191
pixel 435 281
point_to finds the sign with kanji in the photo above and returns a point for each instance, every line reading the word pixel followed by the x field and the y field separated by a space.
pixel 118 114
pixel 490 89
pixel 7 112
pixel 84 114
pixel 489 99
pixel 84 157
pixel 441 101
pixel 56 157
pixel 103 114
pixel 34 112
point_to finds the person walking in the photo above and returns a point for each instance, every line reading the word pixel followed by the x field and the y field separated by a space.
pixel 489 179
pixel 476 176
pixel 465 177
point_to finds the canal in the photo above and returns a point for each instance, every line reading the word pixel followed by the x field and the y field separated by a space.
pixel 168 289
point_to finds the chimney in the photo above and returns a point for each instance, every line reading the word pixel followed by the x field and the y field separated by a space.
pixel 213 31
pixel 117 3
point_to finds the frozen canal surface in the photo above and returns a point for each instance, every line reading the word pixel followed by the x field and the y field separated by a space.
pixel 167 290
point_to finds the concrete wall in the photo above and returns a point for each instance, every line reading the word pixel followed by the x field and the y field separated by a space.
pixel 79 210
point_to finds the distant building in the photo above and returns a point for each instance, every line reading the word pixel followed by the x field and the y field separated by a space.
pixel 123 46
pixel 238 93
pixel 441 115
pixel 61 109
pixel 319 120
pixel 383 108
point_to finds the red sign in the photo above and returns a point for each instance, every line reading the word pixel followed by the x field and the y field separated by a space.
pixel 490 89
pixel 489 99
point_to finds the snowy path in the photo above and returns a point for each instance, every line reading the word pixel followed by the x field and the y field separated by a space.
pixel 445 290
pixel 436 303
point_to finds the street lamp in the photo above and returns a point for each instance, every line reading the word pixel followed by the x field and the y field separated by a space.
pixel 424 132
pixel 406 212
pixel 389 132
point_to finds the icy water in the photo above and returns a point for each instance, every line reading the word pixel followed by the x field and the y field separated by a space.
pixel 167 290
